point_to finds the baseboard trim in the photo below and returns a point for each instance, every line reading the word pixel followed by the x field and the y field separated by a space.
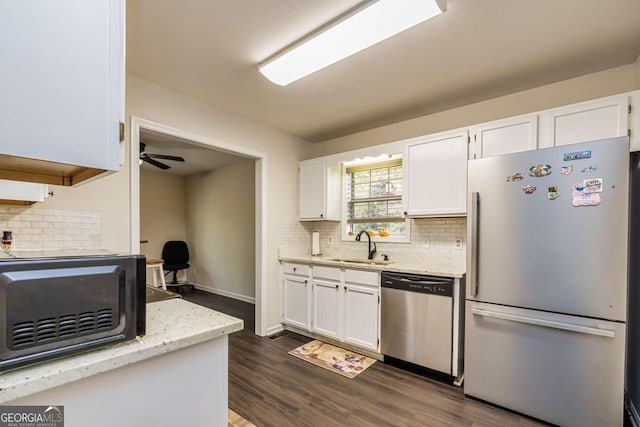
pixel 228 294
pixel 274 330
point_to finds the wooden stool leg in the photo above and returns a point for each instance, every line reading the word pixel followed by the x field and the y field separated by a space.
pixel 161 272
pixel 153 276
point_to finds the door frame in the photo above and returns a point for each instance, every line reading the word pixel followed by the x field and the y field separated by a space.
pixel 260 158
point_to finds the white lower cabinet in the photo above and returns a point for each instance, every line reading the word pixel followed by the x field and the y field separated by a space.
pixel 338 303
pixel 327 308
pixel 361 306
pixel 296 312
pixel 296 296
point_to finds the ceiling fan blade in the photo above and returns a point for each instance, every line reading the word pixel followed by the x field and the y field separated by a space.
pixel 165 157
pixel 155 163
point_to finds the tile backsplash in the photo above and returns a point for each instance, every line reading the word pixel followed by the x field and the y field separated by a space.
pixel 435 235
pixel 42 228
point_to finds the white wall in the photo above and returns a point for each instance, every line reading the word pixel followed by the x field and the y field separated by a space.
pixel 162 210
pixel 220 229
pixel 153 102
pixel 590 86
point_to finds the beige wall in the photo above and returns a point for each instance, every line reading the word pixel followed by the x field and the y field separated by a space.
pixel 153 102
pixel 591 86
pixel 162 210
pixel 220 229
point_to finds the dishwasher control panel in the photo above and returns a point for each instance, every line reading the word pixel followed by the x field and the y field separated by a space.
pixel 417 283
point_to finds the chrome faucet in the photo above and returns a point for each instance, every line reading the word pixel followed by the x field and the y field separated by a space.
pixel 372 252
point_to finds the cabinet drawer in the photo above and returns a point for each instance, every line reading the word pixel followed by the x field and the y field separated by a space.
pixel 331 273
pixel 371 278
pixel 297 269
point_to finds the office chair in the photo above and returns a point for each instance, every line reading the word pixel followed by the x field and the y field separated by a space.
pixel 175 255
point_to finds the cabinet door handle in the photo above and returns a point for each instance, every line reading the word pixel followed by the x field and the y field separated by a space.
pixel 345 288
pixel 321 215
pixel 294 269
pixel 305 282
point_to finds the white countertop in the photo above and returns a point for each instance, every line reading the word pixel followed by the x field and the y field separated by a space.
pixel 432 267
pixel 171 325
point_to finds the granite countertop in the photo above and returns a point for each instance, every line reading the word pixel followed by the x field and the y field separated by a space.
pixel 171 325
pixel 442 268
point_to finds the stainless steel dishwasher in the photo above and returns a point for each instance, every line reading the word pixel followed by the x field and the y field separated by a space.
pixel 420 318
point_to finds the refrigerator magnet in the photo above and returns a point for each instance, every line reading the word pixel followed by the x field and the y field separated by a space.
pixel 580 198
pixel 553 193
pixel 528 189
pixel 566 170
pixel 577 155
pixel 540 171
pixel 592 185
pixel 515 177
pixel 591 168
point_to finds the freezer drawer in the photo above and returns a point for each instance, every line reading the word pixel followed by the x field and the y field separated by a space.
pixel 566 370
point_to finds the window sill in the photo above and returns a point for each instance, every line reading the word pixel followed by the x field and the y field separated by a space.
pixel 378 239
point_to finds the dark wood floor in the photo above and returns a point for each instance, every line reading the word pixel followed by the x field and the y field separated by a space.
pixel 270 388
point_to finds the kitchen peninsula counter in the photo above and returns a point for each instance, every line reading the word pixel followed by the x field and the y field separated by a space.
pixel 179 363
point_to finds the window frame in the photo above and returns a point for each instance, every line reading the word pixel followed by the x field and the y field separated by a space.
pixel 406 238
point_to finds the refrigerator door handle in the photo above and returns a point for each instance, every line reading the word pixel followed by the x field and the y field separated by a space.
pixel 472 253
pixel 545 323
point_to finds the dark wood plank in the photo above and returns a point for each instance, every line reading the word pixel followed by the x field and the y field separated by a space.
pixel 232 307
pixel 268 387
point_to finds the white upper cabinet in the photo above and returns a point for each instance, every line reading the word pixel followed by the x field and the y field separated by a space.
pixel 634 120
pixel 62 86
pixel 22 193
pixel 319 191
pixel 435 175
pixel 586 121
pixel 506 136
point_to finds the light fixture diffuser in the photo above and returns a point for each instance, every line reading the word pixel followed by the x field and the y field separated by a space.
pixel 372 23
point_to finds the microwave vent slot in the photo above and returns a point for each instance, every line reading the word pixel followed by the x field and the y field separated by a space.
pixel 27 334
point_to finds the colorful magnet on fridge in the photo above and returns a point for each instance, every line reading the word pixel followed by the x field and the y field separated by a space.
pixel 577 155
pixel 528 189
pixel 592 185
pixel 589 169
pixel 553 193
pixel 515 177
pixel 540 171
pixel 580 198
pixel 566 170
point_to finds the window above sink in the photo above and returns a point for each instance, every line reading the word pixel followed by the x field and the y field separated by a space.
pixel 372 199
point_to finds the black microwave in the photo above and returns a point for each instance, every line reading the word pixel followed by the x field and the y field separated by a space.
pixel 60 306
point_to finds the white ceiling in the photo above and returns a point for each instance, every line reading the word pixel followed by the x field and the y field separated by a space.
pixel 478 49
pixel 197 158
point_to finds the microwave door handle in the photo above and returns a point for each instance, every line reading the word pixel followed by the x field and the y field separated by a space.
pixel 472 233
pixel 545 323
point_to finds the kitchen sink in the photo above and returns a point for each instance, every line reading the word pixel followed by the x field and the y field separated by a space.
pixel 361 261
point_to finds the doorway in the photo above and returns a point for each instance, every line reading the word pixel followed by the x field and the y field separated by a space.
pixel 209 154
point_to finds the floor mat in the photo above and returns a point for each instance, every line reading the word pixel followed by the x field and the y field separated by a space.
pixel 335 359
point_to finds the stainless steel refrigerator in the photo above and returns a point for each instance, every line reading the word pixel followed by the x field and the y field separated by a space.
pixel 547 282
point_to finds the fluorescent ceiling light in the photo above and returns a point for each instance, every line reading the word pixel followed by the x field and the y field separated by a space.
pixel 357 30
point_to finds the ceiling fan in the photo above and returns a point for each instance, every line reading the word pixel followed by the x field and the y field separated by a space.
pixel 150 158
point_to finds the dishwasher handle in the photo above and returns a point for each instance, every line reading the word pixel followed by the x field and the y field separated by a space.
pixel 421 284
